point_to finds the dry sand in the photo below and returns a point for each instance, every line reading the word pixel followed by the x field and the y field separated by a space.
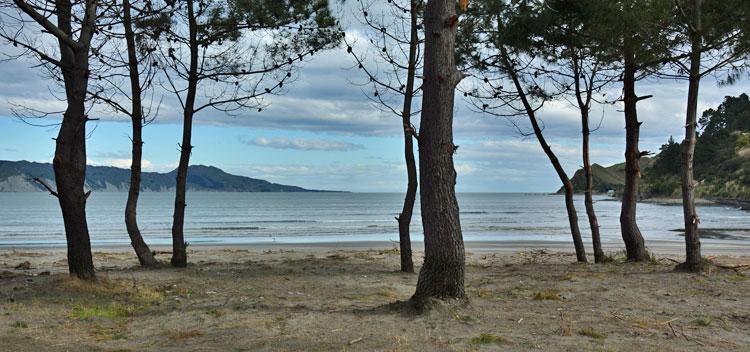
pixel 316 298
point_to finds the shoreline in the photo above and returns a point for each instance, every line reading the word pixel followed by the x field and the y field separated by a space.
pixel 658 247
pixel 667 201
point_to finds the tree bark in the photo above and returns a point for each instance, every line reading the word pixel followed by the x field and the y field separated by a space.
pixel 584 105
pixel 404 219
pixel 69 162
pixel 634 245
pixel 145 257
pixel 179 247
pixel 596 241
pixel 442 274
pixel 692 239
pixel 567 185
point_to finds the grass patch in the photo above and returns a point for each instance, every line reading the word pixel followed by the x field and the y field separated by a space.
pixel 590 332
pixel 215 313
pixel 109 311
pixel 703 321
pixel 483 293
pixel 107 333
pixel 175 335
pixel 108 289
pixel 387 294
pixel 464 318
pixel 547 295
pixel 488 339
pixel 567 276
pixel 19 324
pixel 391 251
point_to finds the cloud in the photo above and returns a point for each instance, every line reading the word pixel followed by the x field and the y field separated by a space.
pixel 124 163
pixel 302 144
pixel 465 169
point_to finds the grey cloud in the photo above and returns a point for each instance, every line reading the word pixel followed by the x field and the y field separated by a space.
pixel 323 100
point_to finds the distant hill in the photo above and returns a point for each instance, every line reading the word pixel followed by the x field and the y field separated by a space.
pixel 605 179
pixel 16 176
pixel 721 163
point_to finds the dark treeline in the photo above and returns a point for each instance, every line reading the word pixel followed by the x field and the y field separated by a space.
pixel 508 58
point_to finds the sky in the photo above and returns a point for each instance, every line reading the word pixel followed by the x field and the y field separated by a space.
pixel 323 133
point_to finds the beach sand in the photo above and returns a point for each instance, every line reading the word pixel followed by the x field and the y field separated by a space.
pixel 338 297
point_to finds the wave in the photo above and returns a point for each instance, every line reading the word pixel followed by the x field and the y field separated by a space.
pixel 284 221
pixel 233 228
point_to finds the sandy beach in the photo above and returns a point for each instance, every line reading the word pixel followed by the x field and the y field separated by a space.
pixel 317 297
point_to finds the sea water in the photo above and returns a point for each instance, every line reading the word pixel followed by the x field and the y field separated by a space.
pixel 31 219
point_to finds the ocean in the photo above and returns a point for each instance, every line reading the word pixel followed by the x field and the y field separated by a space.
pixel 34 219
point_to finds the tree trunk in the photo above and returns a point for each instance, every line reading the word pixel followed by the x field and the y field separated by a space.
pixel 692 240
pixel 145 257
pixel 404 219
pixel 179 247
pixel 631 234
pixel 69 162
pixel 599 256
pixel 584 106
pixel 442 274
pixel 567 185
pixel 70 176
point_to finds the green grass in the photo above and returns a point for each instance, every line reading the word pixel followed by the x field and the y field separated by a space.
pixel 19 324
pixel 488 339
pixel 110 311
pixel 215 313
pixel 590 332
pixel 547 295
pixel 703 321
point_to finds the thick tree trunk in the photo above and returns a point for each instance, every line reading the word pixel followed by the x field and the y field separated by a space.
pixel 69 162
pixel 145 257
pixel 179 247
pixel 70 176
pixel 634 245
pixel 442 274
pixel 567 185
pixel 692 240
pixel 404 219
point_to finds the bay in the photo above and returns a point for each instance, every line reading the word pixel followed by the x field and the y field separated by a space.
pixel 33 219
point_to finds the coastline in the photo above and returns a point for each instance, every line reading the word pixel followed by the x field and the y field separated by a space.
pixel 711 202
pixel 674 248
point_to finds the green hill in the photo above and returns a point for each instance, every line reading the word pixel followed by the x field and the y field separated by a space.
pixel 16 176
pixel 605 179
pixel 721 163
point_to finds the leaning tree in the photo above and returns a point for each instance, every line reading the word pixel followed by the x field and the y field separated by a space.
pixel 59 34
pixel 500 48
pixel 392 65
pixel 229 55
pixel 573 63
pixel 123 81
pixel 633 36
